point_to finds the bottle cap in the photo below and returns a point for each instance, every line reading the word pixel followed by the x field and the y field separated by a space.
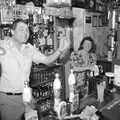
pixel 56 75
pixel 26 82
pixel 71 78
pixel 71 70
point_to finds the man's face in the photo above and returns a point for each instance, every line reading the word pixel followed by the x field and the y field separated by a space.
pixel 21 32
pixel 110 40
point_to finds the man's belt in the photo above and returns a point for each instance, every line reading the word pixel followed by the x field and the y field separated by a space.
pixel 9 93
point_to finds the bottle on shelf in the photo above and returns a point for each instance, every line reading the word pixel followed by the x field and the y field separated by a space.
pixel 71 83
pixel 57 91
pixel 109 57
pixel 27 93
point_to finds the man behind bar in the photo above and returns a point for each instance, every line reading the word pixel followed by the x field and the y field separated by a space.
pixel 16 62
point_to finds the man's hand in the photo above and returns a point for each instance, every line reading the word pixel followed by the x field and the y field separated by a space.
pixel 64 44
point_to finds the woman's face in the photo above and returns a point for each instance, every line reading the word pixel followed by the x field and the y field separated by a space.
pixel 87 45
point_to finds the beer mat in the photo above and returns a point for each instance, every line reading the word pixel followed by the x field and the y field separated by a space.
pixel 116 61
pixel 110 105
pixel 111 111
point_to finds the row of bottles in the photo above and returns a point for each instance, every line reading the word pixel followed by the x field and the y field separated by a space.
pixel 73 93
pixel 57 91
pixel 56 87
pixel 42 76
pixel 43 92
pixel 53 90
pixel 42 36
pixel 43 40
pixel 40 19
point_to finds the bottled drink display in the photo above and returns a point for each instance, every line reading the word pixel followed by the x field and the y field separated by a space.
pixel 71 82
pixel 73 95
pixel 56 88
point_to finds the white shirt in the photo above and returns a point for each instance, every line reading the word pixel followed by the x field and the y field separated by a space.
pixel 16 65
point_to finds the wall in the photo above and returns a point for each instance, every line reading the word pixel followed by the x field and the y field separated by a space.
pixel 81 29
pixel 99 34
pixel 78 26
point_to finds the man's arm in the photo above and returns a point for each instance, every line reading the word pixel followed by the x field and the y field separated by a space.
pixel 41 58
pixel 38 57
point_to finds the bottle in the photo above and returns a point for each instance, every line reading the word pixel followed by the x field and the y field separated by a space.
pixel 31 114
pixel 27 93
pixel 56 88
pixel 96 70
pixel 71 82
pixel 109 56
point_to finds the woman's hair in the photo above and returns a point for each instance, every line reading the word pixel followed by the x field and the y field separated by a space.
pixel 93 48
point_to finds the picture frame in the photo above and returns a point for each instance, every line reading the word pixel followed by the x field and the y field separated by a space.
pixel 100 19
pixel 94 21
pixel 88 20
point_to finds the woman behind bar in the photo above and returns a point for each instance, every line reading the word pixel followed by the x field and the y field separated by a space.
pixel 82 60
pixel 16 64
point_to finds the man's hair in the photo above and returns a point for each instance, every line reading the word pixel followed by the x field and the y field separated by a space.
pixel 14 25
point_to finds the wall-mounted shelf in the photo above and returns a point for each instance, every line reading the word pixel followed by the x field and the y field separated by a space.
pixel 90 5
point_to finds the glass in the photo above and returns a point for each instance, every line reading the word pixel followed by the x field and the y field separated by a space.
pixel 100 91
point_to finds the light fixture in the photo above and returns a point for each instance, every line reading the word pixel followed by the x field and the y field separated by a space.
pixel 58 3
pixel 30 7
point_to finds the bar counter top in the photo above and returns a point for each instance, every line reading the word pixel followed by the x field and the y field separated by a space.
pixel 114 61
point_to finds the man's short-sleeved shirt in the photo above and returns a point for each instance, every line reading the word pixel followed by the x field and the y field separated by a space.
pixel 16 65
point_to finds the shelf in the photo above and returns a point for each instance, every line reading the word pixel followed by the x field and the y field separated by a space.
pixel 38 83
